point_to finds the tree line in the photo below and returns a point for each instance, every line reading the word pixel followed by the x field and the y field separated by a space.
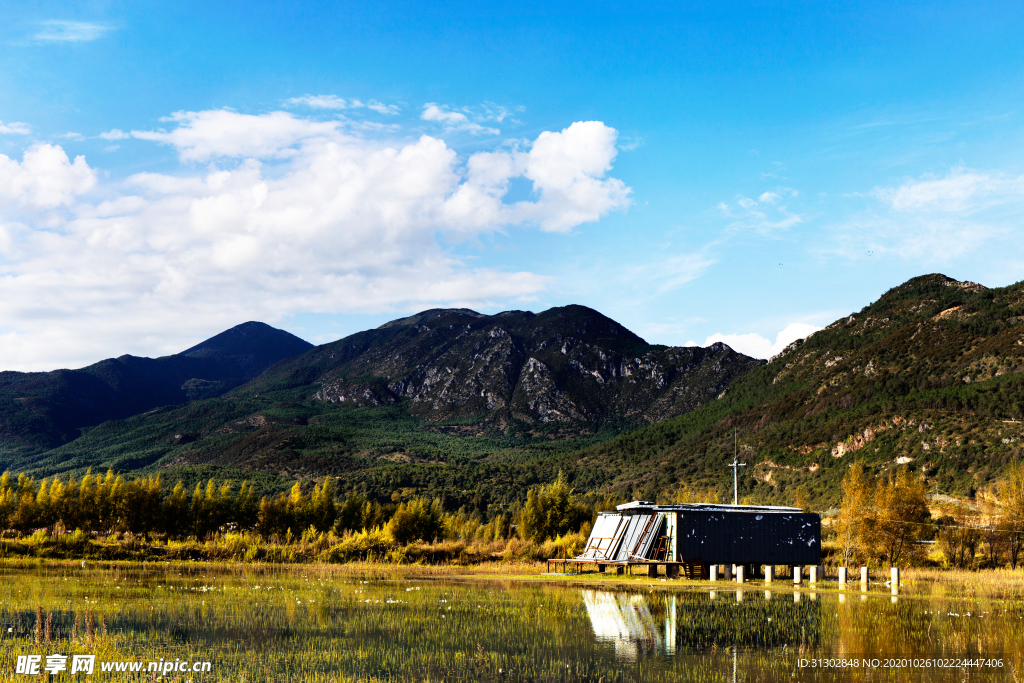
pixel 113 503
pixel 889 519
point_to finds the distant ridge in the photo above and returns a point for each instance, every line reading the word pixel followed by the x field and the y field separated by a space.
pixel 42 410
pixel 434 394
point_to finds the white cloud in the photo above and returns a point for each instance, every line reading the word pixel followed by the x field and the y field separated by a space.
pixel 302 218
pixel 201 136
pixel 767 215
pixel 380 108
pixel 432 112
pixel 335 102
pixel 69 31
pixel 753 344
pixel 454 120
pixel 566 170
pixel 14 128
pixel 667 274
pixel 962 191
pixel 115 134
pixel 935 219
pixel 44 179
pixel 324 102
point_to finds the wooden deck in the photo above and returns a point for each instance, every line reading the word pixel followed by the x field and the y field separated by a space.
pixel 691 569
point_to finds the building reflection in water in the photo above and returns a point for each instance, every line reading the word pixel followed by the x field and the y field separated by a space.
pixel 627 621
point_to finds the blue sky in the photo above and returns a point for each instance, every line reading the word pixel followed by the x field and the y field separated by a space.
pixel 697 171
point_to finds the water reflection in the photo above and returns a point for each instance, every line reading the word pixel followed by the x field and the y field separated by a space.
pixel 626 621
pixel 664 623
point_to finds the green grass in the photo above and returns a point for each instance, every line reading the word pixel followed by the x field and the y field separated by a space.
pixel 374 622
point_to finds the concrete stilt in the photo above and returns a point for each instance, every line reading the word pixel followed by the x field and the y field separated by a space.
pixel 713 576
pixel 741 574
pixel 728 572
pixel 769 573
pixel 863 578
pixel 797 578
pixel 842 577
pixel 652 570
pixel 894 580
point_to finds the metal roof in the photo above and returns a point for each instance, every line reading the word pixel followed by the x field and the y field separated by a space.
pixel 718 507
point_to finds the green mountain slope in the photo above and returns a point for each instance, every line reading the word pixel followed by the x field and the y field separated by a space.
pixel 446 402
pixel 929 376
pixel 478 408
pixel 42 410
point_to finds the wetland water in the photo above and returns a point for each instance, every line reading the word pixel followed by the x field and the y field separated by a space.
pixel 321 624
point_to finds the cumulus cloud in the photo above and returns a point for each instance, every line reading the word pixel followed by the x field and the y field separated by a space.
pixel 753 344
pixel 45 178
pixel 69 31
pixel 14 128
pixel 290 215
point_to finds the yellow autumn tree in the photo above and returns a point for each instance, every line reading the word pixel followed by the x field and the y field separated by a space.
pixel 1011 497
pixel 853 523
pixel 900 516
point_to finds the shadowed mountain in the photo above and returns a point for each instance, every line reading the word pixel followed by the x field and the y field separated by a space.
pixel 438 393
pixel 476 408
pixel 42 410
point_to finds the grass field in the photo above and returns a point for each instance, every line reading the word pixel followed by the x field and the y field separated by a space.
pixel 371 621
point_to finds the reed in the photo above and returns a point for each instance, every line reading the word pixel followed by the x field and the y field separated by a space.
pixel 375 621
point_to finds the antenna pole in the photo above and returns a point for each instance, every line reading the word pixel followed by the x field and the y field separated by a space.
pixel 736 464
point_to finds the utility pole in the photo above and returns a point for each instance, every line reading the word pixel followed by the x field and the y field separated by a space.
pixel 736 465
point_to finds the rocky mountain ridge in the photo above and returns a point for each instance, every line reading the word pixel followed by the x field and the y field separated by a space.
pixel 565 364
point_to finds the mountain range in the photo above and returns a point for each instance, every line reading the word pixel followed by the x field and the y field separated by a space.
pixel 42 410
pixel 475 408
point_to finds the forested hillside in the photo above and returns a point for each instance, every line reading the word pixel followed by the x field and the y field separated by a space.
pixel 42 410
pixel 450 403
pixel 929 376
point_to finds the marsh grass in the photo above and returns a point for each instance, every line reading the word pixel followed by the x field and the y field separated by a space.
pixel 311 546
pixel 376 621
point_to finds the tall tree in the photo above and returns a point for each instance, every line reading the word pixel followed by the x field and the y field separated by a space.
pixel 1012 499
pixel 959 534
pixel 551 511
pixel 901 515
pixel 853 511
